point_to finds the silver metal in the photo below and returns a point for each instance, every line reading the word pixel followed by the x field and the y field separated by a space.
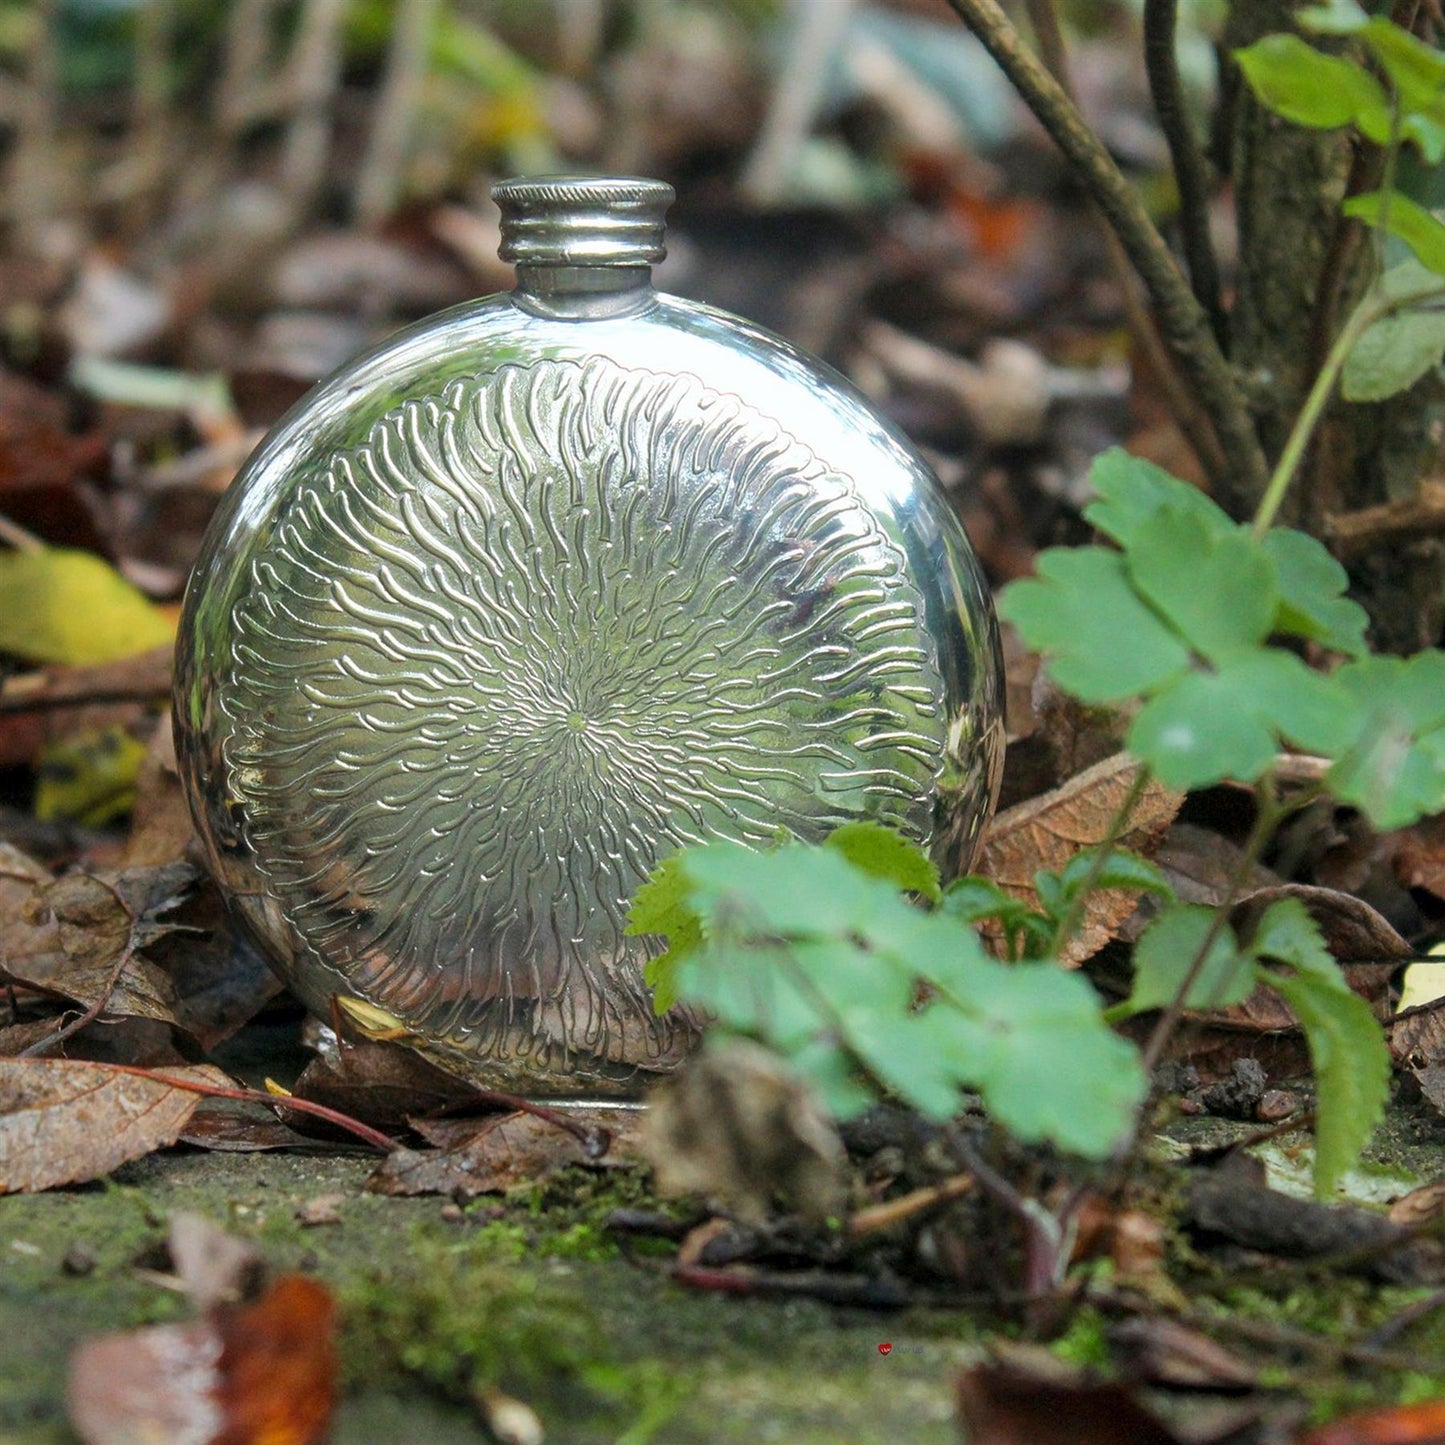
pixel 538 591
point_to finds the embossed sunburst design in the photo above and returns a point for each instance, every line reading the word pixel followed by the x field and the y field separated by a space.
pixel 535 633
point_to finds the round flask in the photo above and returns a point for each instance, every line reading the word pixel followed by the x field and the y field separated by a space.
pixel 538 591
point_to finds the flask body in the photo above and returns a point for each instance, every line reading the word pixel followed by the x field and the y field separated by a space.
pixel 527 598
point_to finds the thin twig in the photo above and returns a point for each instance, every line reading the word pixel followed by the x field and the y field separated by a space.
pixel 920 1201
pixel 150 107
pixel 1162 64
pixel 313 75
pixel 1265 821
pixel 33 166
pixel 13 535
pixel 374 1137
pixel 379 183
pixel 1184 322
pixel 1158 361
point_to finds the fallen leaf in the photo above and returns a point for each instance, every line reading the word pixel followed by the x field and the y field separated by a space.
pixel 1419 856
pixel 1422 1424
pixel 80 937
pixel 381 1084
pixel 258 1374
pixel 484 1156
pixel 735 1123
pixel 61 605
pixel 1046 832
pixel 64 1122
pixel 1009 1404
pixel 1417 1035
pixel 225 1128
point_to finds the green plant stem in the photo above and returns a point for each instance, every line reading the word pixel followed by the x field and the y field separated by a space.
pixel 1162 64
pixel 1118 825
pixel 1266 820
pixel 1182 319
pixel 1372 308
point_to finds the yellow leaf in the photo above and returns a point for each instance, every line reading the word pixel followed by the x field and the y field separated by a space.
pixel 88 777
pixel 58 605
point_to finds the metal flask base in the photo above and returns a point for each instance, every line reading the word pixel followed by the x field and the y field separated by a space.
pixel 538 592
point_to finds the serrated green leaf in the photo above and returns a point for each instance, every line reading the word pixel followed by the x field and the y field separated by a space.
pixel 1230 723
pixel 1131 490
pixel 1351 1065
pixel 1122 870
pixel 1397 350
pixel 1218 589
pixel 1310 88
pixel 882 853
pixel 790 891
pixel 1057 1073
pixel 1101 641
pixel 1288 933
pixel 661 907
pixel 1410 222
pixel 1394 767
pixel 1165 953
pixel 1312 603
pixel 973 900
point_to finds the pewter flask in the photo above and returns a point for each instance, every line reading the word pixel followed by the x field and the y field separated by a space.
pixel 535 593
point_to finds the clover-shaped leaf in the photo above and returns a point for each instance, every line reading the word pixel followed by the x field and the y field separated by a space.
pixel 1103 642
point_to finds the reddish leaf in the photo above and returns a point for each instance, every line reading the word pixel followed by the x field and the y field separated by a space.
pixel 1422 1424
pixel 260 1374
pixel 1009 1405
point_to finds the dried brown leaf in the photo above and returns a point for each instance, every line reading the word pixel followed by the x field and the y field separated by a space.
pixel 380 1083
pixel 1417 1035
pixel 737 1124
pixel 80 937
pixel 1047 831
pixel 485 1156
pixel 63 1121
pixel 1165 1352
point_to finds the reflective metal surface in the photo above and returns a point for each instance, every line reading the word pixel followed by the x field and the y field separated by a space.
pixel 545 587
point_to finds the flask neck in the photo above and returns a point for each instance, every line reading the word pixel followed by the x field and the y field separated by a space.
pixel 584 293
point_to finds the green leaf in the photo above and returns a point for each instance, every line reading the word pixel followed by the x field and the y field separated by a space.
pixel 661 907
pixel 1310 88
pixel 1102 642
pixel 1397 350
pixel 1312 584
pixel 1229 723
pixel 1218 589
pixel 1122 870
pixel 1351 1064
pixel 1165 953
pixel 828 975
pixel 1288 933
pixel 1393 770
pixel 973 900
pixel 1056 1072
pixel 880 852
pixel 1131 490
pixel 1422 232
